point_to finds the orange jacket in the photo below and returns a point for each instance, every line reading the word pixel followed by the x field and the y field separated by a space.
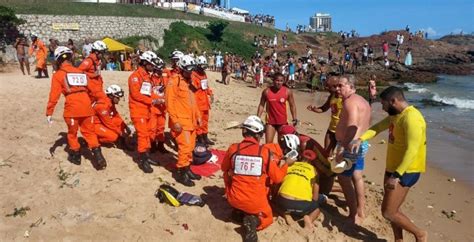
pixel 140 89
pixel 78 103
pixel 181 103
pixel 159 85
pixel 107 115
pixel 203 91
pixel 91 65
pixel 248 191
pixel 40 48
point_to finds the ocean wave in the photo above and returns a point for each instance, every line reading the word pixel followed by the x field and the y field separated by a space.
pixel 416 88
pixel 457 102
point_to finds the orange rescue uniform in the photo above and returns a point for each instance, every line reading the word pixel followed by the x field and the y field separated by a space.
pixel 249 168
pixel 139 102
pixel 92 66
pixel 158 112
pixel 41 53
pixel 202 93
pixel 109 125
pixel 182 109
pixel 78 112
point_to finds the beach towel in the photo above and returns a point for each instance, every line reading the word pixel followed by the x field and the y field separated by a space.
pixel 206 169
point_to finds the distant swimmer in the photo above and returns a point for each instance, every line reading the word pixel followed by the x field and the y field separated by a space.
pixel 20 45
pixel 406 157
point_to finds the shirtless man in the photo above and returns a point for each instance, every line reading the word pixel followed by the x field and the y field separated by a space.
pixel 21 54
pixel 354 121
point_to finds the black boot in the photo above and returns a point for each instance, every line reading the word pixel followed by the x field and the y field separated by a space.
pixel 191 174
pixel 45 71
pixel 99 158
pixel 74 157
pixel 207 140
pixel 153 147
pixel 183 178
pixel 39 74
pixel 250 225
pixel 144 162
pixel 161 148
pixel 200 139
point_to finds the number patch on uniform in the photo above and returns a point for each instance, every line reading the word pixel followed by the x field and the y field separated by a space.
pixel 76 79
pixel 146 88
pixel 204 84
pixel 248 165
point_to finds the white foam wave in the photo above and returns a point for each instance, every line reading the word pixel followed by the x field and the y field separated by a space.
pixel 457 102
pixel 416 88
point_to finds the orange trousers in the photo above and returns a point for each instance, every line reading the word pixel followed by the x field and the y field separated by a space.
pixel 157 124
pixel 143 134
pixel 186 141
pixel 203 128
pixel 260 208
pixel 41 62
pixel 86 124
pixel 104 134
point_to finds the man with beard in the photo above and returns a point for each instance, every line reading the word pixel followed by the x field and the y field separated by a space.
pixel 406 157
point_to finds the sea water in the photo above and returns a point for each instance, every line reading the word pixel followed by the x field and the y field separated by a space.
pixel 448 108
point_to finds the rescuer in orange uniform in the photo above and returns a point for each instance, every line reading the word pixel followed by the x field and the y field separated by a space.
pixel 92 65
pixel 109 125
pixel 78 112
pixel 40 51
pixel 184 118
pixel 248 169
pixel 140 102
pixel 158 112
pixel 203 92
pixel 174 56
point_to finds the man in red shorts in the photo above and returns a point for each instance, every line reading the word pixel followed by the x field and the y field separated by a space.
pixel 274 98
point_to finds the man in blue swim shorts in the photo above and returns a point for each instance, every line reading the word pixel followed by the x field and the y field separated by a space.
pixel 354 120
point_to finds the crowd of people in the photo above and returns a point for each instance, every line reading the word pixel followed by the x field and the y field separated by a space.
pixel 292 177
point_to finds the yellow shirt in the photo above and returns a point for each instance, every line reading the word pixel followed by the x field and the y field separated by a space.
pixel 406 151
pixel 336 107
pixel 298 181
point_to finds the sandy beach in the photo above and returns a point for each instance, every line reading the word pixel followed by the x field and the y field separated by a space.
pixel 67 202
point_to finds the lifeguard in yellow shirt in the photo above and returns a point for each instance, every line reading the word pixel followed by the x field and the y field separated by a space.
pixel 406 157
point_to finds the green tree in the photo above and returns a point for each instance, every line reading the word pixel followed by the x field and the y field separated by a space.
pixel 8 25
pixel 217 29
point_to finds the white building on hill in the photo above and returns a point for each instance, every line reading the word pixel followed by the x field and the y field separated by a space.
pixel 321 22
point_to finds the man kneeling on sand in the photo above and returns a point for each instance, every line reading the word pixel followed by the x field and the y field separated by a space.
pixel 249 168
pixel 354 120
pixel 298 196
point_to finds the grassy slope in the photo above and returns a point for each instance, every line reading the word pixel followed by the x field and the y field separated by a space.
pixel 238 37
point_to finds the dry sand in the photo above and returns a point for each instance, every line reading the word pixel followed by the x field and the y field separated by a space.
pixel 77 203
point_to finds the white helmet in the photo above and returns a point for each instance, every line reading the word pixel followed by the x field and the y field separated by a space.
pixel 159 63
pixel 60 51
pixel 292 141
pixel 99 45
pixel 114 90
pixel 201 60
pixel 33 34
pixel 148 56
pixel 176 55
pixel 187 63
pixel 254 124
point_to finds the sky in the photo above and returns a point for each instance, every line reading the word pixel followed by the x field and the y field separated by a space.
pixel 367 17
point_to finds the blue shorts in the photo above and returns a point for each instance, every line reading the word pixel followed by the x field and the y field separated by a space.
pixel 407 179
pixel 357 159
